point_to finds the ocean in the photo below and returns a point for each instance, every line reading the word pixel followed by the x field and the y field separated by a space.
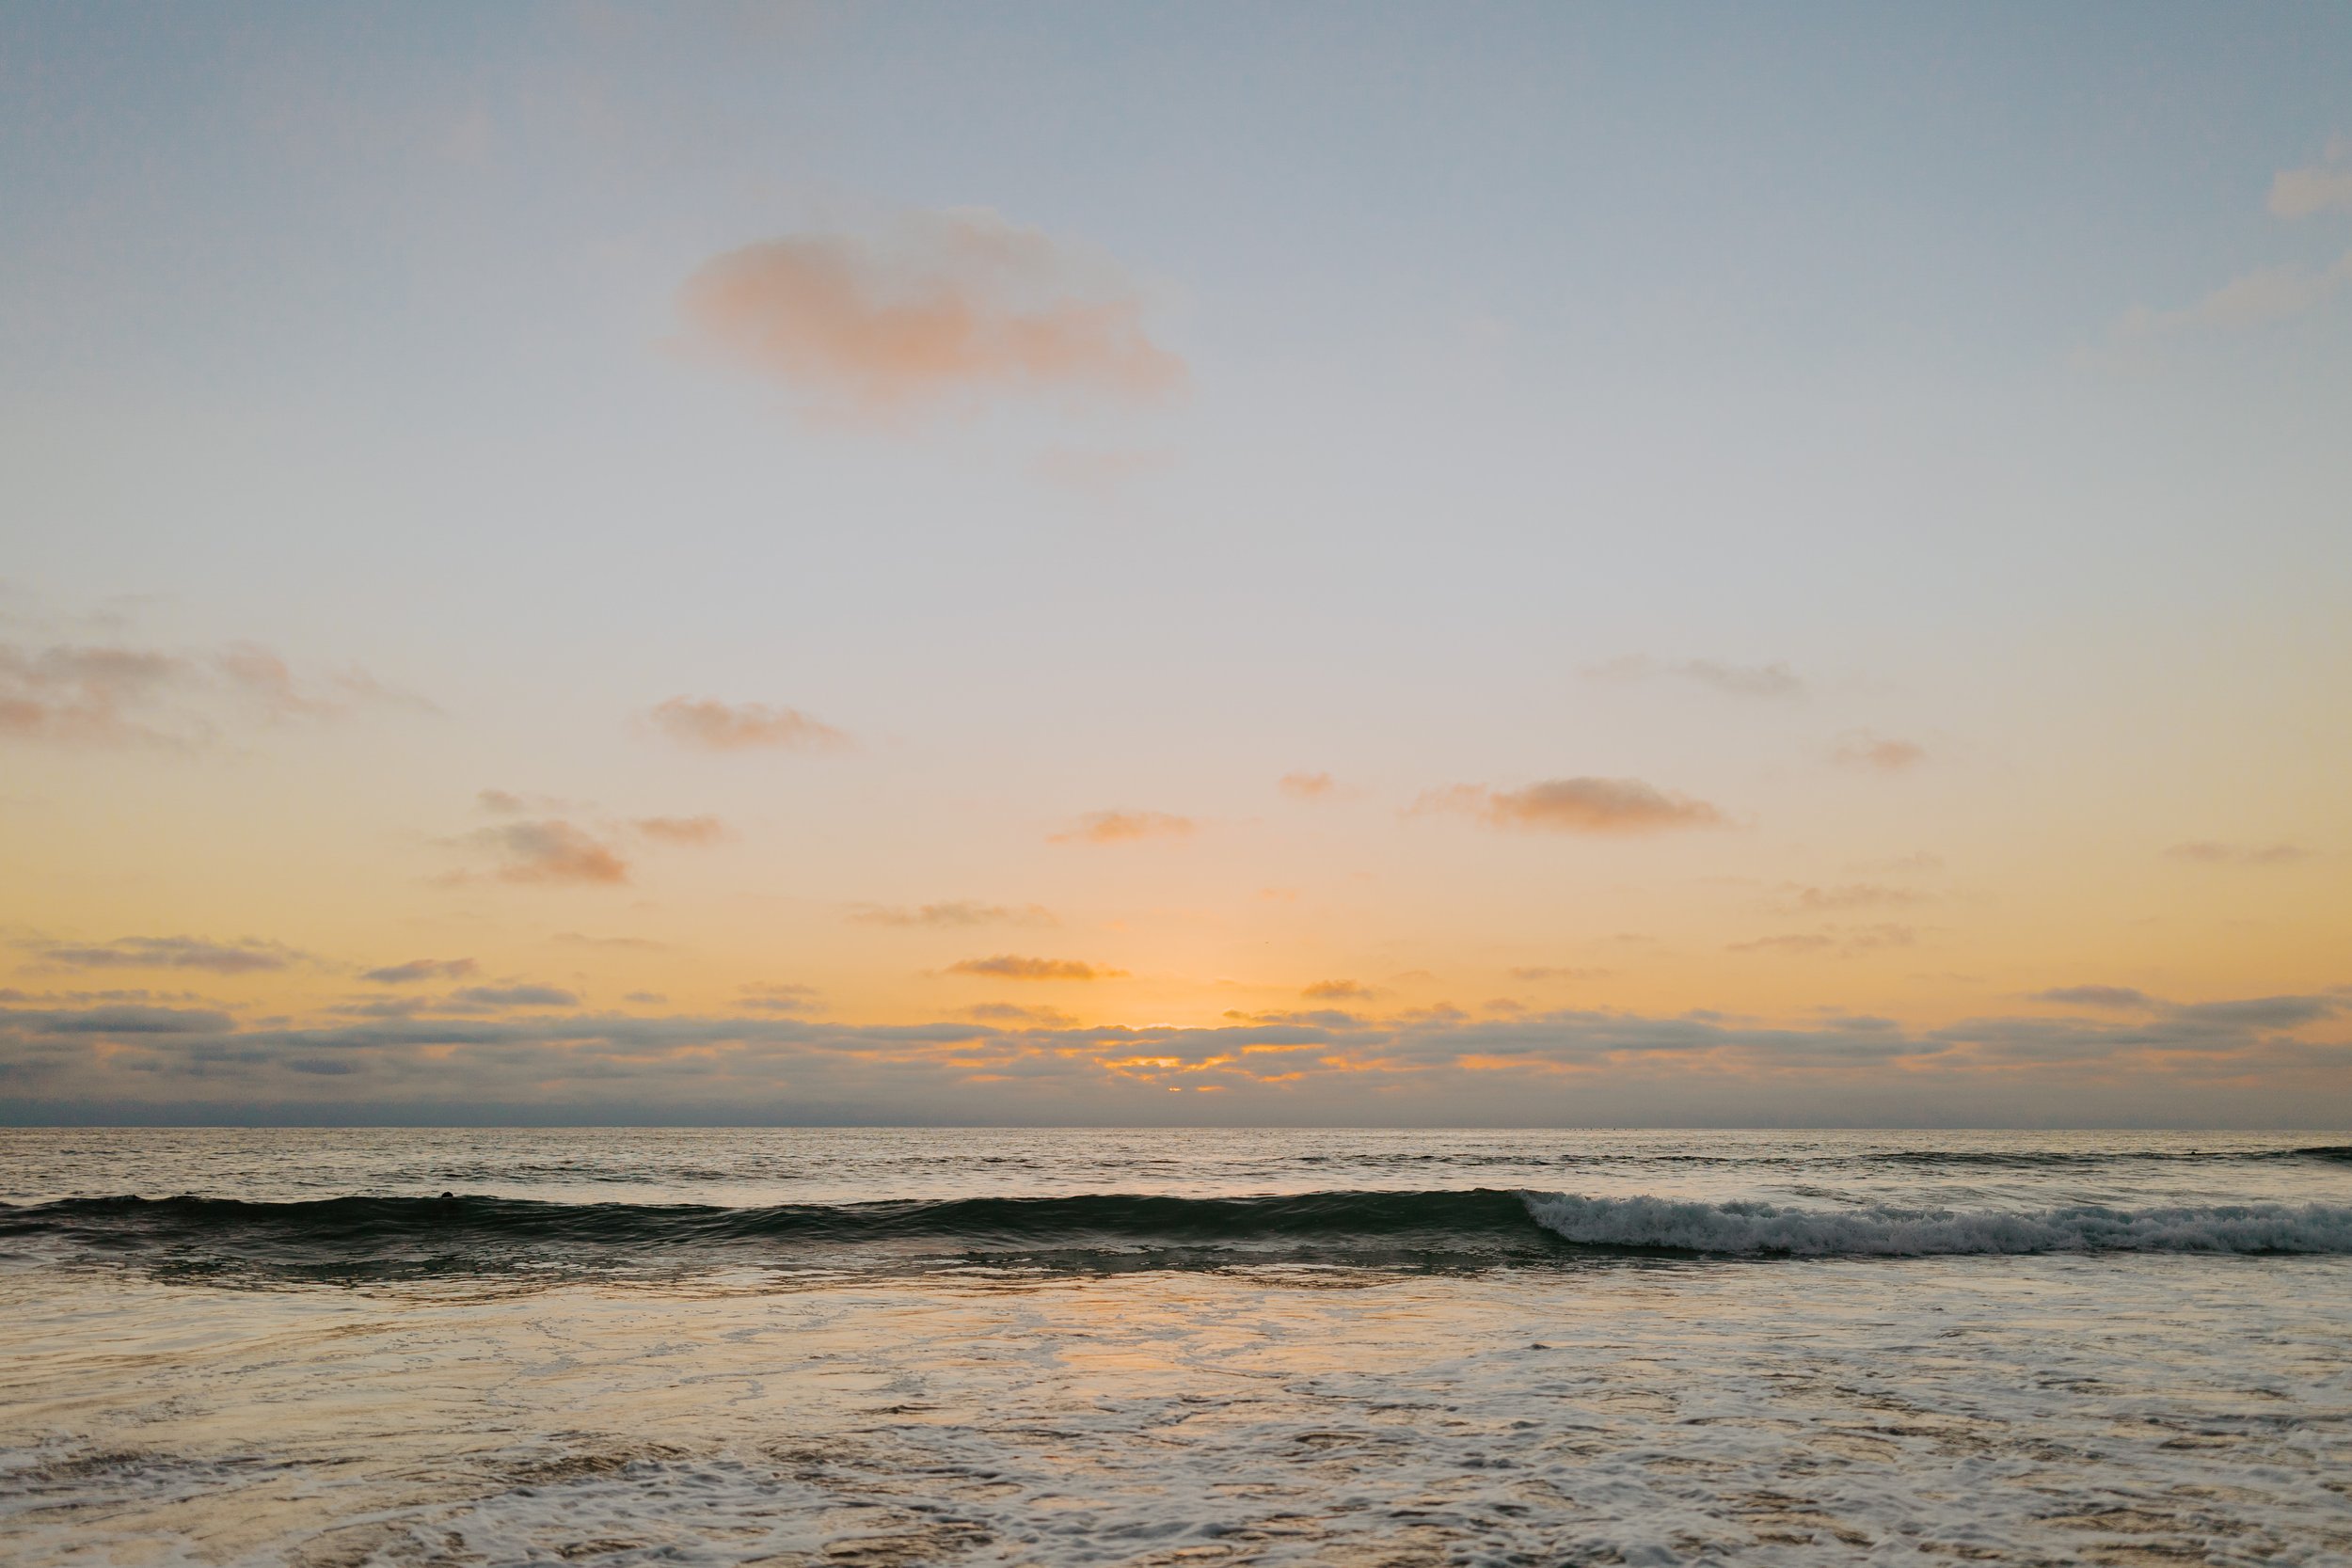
pixel 870 1347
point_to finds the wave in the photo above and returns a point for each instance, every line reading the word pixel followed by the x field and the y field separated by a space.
pixel 353 1238
pixel 1764 1229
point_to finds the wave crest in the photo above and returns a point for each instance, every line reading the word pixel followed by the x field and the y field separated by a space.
pixel 1657 1223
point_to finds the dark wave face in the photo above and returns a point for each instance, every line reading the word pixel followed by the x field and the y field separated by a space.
pixel 354 1240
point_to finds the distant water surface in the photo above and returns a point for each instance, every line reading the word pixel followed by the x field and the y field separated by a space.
pixel 886 1346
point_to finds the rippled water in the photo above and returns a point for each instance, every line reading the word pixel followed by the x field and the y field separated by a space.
pixel 877 1347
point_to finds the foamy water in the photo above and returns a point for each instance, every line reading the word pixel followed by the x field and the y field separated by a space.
pixel 903 1347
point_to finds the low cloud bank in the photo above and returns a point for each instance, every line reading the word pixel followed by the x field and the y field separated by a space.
pixel 2278 1061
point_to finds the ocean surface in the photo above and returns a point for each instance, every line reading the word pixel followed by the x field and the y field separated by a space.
pixel 866 1348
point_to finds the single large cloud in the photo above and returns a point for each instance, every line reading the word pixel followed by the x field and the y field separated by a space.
pixel 1578 805
pixel 942 307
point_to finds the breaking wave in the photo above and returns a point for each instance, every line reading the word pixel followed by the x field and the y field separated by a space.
pixel 1764 1229
pixel 351 1239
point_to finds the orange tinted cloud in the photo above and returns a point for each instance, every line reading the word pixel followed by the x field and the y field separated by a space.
pixel 73 694
pixel 246 955
pixel 1865 749
pixel 717 726
pixel 1337 990
pixel 953 913
pixel 552 852
pixel 1126 827
pixel 1008 966
pixel 1579 805
pixel 946 305
pixel 682 829
pixel 83 694
pixel 2207 852
pixel 420 969
pixel 1308 787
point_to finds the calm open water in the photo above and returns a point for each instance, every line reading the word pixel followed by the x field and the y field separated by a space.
pixel 874 1347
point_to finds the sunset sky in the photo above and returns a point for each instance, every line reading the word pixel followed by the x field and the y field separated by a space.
pixel 1526 565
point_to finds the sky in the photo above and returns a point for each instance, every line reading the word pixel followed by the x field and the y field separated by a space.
pixel 1469 564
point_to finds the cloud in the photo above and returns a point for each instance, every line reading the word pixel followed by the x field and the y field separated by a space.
pixel 1126 827
pixel 551 852
pixel 88 695
pixel 1732 680
pixel 1015 1015
pixel 1579 805
pixel 956 913
pixel 81 694
pixel 690 831
pixel 517 996
pixel 776 998
pixel 2097 996
pixel 1856 895
pixel 2257 298
pixel 1007 966
pixel 1308 787
pixel 715 726
pixel 2324 187
pixel 507 803
pixel 2267 1060
pixel 245 956
pixel 1338 991
pixel 1879 754
pixel 416 970
pixel 2208 852
pixel 947 307
pixel 1554 972
pixel 640 944
pixel 1846 941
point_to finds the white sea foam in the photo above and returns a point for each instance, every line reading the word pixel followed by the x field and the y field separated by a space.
pixel 1741 1228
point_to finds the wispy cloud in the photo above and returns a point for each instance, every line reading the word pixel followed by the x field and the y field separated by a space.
pixel 715 726
pixel 2256 298
pixel 1338 991
pixel 2118 997
pixel 1012 1015
pixel 245 956
pixel 1126 827
pixel 551 851
pixel 953 914
pixel 943 308
pixel 1878 753
pixel 82 695
pixel 1732 680
pixel 419 969
pixel 2266 295
pixel 1578 805
pixel 1557 971
pixel 1845 942
pixel 2207 851
pixel 1009 966
pixel 1856 895
pixel 1309 787
pixel 2321 187
pixel 517 996
pixel 683 831
pixel 780 998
